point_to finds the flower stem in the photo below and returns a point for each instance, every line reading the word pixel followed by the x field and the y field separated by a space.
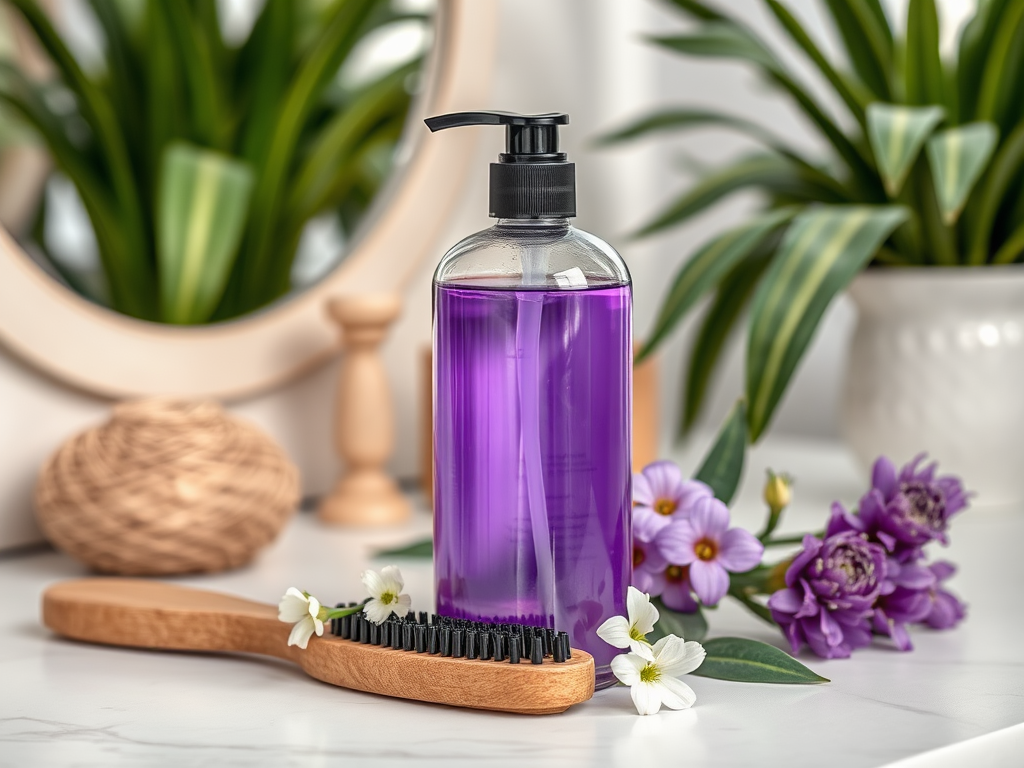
pixel 783 541
pixel 752 605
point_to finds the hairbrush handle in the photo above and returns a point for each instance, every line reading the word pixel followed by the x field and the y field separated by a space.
pixel 148 614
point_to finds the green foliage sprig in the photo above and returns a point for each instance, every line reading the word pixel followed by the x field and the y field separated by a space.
pixel 200 162
pixel 926 169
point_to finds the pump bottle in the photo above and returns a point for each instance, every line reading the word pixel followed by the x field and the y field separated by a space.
pixel 532 404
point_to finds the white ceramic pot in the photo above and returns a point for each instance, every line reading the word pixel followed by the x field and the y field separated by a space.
pixel 937 365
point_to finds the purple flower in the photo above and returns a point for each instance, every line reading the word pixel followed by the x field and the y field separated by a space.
pixel 906 510
pixel 661 488
pixel 711 549
pixel 905 599
pixel 831 587
pixel 946 610
pixel 648 562
pixel 678 591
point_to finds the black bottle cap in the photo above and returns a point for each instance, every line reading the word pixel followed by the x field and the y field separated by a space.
pixel 532 179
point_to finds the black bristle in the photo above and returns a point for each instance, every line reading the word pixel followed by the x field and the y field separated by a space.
pixel 513 649
pixel 407 636
pixel 500 646
pixel 410 616
pixel 458 647
pixel 545 636
pixel 420 630
pixel 558 651
pixel 527 644
pixel 486 643
pixel 564 637
pixel 385 633
pixel 423 617
pixel 471 646
pixel 446 641
pixel 396 635
pixel 374 633
pixel 537 656
pixel 346 626
pixel 433 639
pixel 364 629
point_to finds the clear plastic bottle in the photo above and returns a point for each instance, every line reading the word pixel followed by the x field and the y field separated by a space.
pixel 532 422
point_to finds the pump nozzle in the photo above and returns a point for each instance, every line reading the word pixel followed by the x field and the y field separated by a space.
pixel 531 178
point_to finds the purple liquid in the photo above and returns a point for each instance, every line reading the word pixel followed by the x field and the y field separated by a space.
pixel 532 471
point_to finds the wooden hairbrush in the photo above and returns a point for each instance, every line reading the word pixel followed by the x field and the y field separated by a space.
pixel 148 614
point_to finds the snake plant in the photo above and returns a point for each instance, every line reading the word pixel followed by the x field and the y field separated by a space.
pixel 925 166
pixel 200 161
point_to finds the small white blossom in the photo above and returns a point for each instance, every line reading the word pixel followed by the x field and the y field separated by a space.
pixel 385 590
pixel 622 632
pixel 653 682
pixel 304 612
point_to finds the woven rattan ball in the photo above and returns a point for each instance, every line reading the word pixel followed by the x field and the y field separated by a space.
pixel 166 487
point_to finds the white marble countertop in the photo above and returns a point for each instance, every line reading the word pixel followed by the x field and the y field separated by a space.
pixel 958 699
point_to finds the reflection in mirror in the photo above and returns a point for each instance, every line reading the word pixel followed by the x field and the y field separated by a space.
pixel 208 158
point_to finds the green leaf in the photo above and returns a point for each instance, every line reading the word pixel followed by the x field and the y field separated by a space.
pixel 730 40
pixel 957 157
pixel 265 64
pixel 868 42
pixel 975 44
pixel 1011 250
pixel 822 251
pixel 897 134
pixel 202 207
pixel 751 661
pixel 707 267
pixel 855 102
pixel 924 78
pixel 424 548
pixel 723 466
pixel 999 87
pixel 733 294
pixel 689 626
pixel 1006 166
pixel 766 172
pixel 698 10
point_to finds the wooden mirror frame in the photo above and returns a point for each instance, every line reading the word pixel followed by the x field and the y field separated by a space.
pixel 109 354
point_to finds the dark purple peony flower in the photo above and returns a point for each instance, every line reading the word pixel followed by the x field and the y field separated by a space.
pixel 905 599
pixel 905 510
pixel 831 588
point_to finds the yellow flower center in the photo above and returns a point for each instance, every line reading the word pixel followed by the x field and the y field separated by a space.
pixel 649 674
pixel 388 598
pixel 638 556
pixel 677 573
pixel 635 634
pixel 665 506
pixel 705 549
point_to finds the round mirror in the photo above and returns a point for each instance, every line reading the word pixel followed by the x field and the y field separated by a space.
pixel 265 320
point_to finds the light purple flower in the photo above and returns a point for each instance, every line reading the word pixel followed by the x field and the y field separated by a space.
pixel 711 549
pixel 677 593
pixel 648 562
pixel 831 588
pixel 905 599
pixel 660 487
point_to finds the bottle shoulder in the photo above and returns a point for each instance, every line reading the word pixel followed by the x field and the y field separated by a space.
pixel 515 254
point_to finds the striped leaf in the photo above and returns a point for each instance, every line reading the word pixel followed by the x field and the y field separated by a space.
pixel 707 267
pixel 897 134
pixel 202 205
pixel 723 466
pixel 1005 168
pixel 957 157
pixel 868 40
pixel 999 89
pixel 822 251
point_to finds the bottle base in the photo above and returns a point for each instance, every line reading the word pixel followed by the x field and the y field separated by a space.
pixel 604 678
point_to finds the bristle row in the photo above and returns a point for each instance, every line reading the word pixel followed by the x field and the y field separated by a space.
pixel 456 638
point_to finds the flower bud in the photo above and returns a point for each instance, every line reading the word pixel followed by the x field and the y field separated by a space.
pixel 777 494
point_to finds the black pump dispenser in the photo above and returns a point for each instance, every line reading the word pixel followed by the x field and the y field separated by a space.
pixel 532 179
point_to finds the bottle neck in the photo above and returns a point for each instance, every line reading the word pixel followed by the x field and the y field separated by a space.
pixel 546 224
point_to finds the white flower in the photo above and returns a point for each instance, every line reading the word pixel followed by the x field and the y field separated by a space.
pixel 652 682
pixel 631 633
pixel 304 612
pixel 386 594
